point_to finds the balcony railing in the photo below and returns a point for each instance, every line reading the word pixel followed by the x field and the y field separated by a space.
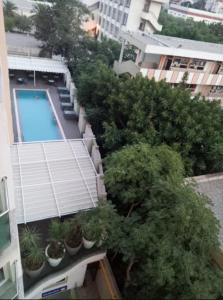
pixel 5 238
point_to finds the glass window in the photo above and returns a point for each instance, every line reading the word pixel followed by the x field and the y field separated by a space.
pixel 105 8
pixel 101 8
pixel 103 23
pixel 121 2
pixel 197 64
pixel 109 11
pixel 107 25
pixel 124 20
pixel 111 28
pixel 119 14
pixel 116 31
pixel 113 13
pixel 127 3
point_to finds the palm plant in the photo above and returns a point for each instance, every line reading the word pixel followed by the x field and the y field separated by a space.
pixel 56 235
pixel 32 252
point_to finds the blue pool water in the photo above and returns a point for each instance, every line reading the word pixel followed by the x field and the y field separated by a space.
pixel 36 117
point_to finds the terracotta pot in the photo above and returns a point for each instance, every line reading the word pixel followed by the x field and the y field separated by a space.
pixel 54 262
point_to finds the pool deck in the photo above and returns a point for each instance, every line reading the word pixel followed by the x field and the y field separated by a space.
pixel 70 127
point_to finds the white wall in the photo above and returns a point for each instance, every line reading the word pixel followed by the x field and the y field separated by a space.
pixel 75 278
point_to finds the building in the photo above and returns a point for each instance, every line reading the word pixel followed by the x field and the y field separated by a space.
pixel 163 57
pixel 132 15
pixel 10 262
pixel 50 168
pixel 196 15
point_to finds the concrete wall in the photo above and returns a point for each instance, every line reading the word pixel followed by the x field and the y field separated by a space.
pixel 74 277
pixel 91 144
pixel 11 254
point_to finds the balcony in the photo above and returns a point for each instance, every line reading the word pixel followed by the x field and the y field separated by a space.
pixel 151 18
pixel 49 274
pixel 5 238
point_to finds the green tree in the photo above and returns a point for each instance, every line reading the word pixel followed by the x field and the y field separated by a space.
pixel 95 84
pixel 62 21
pixel 9 8
pixel 190 29
pixel 153 112
pixel 168 233
pixel 23 23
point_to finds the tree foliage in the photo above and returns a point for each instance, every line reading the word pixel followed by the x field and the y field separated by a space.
pixel 62 21
pixel 190 29
pixel 168 233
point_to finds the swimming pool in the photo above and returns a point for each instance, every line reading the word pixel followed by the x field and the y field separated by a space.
pixel 35 117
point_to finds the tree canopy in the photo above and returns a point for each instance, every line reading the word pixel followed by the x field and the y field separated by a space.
pixel 168 233
pixel 190 29
pixel 134 110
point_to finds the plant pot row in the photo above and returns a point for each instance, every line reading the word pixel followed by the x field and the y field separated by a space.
pixel 54 262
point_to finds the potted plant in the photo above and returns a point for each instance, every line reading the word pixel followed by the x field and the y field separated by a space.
pixel 72 236
pixel 55 250
pixel 32 252
pixel 90 228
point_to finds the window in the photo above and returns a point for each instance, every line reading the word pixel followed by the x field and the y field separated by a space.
pixel 121 2
pixel 180 62
pixel 107 25
pixel 109 11
pixel 113 13
pixel 124 20
pixel 127 3
pixel 197 64
pixel 116 31
pixel 105 9
pixel 99 21
pixel 103 23
pixel 119 14
pixel 101 8
pixel 111 28
pixel 146 6
pixel 216 90
pixel 142 25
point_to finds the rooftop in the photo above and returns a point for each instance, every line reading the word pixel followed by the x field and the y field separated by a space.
pixel 36 64
pixel 212 187
pixel 22 40
pixel 167 45
pixel 52 179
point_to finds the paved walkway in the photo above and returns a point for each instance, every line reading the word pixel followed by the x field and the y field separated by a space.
pixel 70 127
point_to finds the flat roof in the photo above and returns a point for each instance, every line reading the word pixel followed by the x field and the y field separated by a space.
pixel 52 179
pixel 211 185
pixel 168 45
pixel 22 40
pixel 36 64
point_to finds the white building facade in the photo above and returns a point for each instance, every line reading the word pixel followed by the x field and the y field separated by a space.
pixel 196 15
pixel 131 15
pixel 168 58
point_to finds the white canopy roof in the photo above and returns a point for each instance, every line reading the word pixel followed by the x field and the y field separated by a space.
pixel 52 179
pixel 36 64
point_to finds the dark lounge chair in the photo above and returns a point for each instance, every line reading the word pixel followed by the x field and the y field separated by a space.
pixel 67 106
pixel 64 98
pixel 70 115
pixel 63 90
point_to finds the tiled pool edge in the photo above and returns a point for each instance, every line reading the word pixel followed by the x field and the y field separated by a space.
pixel 17 118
